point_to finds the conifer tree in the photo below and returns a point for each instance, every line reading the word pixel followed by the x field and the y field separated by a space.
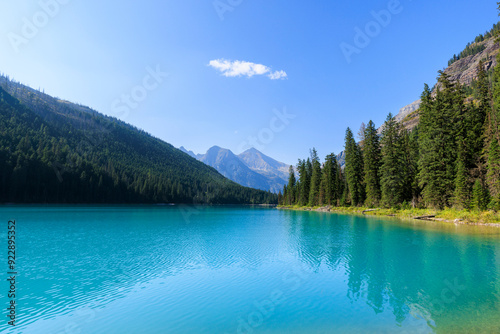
pixel 391 171
pixel 410 156
pixel 353 169
pixel 462 189
pixel 479 197
pixel 322 190
pixel 492 143
pixel 283 198
pixel 330 180
pixel 291 187
pixel 340 183
pixel 480 124
pixel 467 139
pixel 493 174
pixel 305 180
pixel 437 143
pixel 315 179
pixel 371 159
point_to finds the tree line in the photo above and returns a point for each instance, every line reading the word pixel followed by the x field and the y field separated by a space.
pixel 451 159
pixel 56 152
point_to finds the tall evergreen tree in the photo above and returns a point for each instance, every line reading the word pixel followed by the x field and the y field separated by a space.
pixel 330 181
pixel 462 188
pixel 371 159
pixel 493 174
pixel 437 143
pixel 291 187
pixel 315 179
pixel 466 138
pixel 353 169
pixel 304 181
pixel 492 142
pixel 479 197
pixel 481 113
pixel 410 156
pixel 391 171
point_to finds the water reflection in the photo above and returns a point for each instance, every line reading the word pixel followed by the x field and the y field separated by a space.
pixel 205 273
pixel 441 277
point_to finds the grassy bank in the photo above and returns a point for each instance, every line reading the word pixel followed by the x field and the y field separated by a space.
pixel 446 215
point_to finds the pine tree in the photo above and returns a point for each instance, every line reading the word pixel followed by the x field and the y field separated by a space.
pixel 462 189
pixel 353 169
pixel 479 197
pixel 493 174
pixel 329 181
pixel 290 196
pixel 492 143
pixel 315 179
pixel 391 171
pixel 466 138
pixel 371 159
pixel 437 142
pixel 304 181
pixel 480 124
pixel 410 156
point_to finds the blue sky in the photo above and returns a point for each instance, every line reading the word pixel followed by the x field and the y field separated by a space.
pixel 96 52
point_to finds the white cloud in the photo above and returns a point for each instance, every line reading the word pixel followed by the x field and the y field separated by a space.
pixel 277 75
pixel 240 68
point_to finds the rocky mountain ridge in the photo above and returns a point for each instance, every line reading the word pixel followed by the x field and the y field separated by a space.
pixel 251 168
pixel 463 71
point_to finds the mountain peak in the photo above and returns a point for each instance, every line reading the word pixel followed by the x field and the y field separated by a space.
pixel 252 150
pixel 216 148
pixel 190 153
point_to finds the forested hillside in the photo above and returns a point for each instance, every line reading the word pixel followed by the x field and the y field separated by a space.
pixel 450 159
pixel 52 151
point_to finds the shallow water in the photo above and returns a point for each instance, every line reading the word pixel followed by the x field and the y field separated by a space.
pixel 182 269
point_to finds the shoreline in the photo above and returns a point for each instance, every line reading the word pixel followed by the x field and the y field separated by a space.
pixel 459 217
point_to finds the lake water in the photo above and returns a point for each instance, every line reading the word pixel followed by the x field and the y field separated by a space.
pixel 171 269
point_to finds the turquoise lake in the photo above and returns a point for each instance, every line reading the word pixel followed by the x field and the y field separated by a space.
pixel 187 269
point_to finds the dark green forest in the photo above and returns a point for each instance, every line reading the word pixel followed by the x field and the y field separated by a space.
pixel 451 159
pixel 52 151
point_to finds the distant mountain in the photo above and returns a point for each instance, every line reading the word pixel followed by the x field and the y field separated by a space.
pixel 251 168
pixel 341 159
pixel 262 164
pixel 190 153
pixel 54 151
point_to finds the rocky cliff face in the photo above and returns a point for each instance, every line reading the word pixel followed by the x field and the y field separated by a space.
pixel 464 71
pixel 405 111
